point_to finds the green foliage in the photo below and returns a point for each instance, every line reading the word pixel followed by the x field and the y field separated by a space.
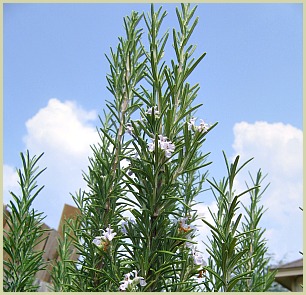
pixel 226 254
pixel 238 254
pixel 63 267
pixel 136 228
pixel 25 232
pixel 258 260
pixel 146 168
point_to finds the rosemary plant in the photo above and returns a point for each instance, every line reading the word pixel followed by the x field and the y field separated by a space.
pixel 238 253
pixel 137 224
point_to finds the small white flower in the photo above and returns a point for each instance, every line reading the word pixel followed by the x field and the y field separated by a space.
pixel 127 281
pixel 129 128
pixel 150 111
pixel 151 146
pixel 123 286
pixel 203 127
pixel 191 123
pixel 163 144
pixel 162 138
pixel 108 233
pixel 97 241
pixel 197 257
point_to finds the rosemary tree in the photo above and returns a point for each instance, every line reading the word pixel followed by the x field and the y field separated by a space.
pixel 146 163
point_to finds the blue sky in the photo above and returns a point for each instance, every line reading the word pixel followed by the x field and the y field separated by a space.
pixel 251 83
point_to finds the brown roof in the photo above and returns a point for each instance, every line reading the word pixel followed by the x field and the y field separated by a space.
pixel 288 273
pixel 293 264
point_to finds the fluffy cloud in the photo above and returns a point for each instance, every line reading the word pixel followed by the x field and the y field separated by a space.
pixel 63 128
pixel 63 131
pixel 278 150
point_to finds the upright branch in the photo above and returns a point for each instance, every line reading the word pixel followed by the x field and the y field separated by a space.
pixel 156 166
pixel 95 232
pixel 22 259
pixel 261 278
pixel 226 254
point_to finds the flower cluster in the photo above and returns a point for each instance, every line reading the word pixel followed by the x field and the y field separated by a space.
pixel 104 240
pixel 129 283
pixel 152 110
pixel 203 127
pixel 163 144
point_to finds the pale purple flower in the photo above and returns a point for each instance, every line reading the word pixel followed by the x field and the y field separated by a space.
pixel 123 227
pixel 108 233
pixel 97 241
pixel 163 144
pixel 197 257
pixel 150 111
pixel 128 282
pixel 191 123
pixel 203 127
pixel 169 148
pixel 139 280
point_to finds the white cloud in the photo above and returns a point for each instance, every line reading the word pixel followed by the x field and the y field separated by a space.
pixel 64 131
pixel 278 150
pixel 61 127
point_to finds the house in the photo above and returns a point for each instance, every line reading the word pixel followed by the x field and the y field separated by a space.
pixel 290 275
pixel 48 244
